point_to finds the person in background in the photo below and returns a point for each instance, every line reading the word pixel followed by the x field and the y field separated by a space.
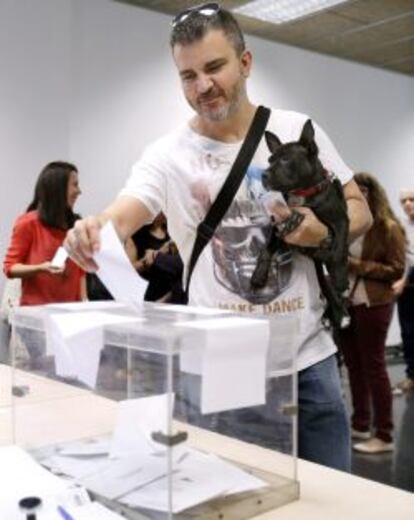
pixel 404 290
pixel 376 261
pixel 37 235
pixel 158 262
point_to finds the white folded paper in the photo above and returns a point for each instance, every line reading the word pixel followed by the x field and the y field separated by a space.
pixel 86 448
pixel 116 271
pixel 78 467
pixel 93 511
pixel 101 305
pixel 76 340
pixel 197 478
pixel 231 359
pixel 137 419
pixel 60 258
pixel 124 475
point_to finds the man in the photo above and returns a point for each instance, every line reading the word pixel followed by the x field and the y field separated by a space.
pixel 181 175
pixel 404 289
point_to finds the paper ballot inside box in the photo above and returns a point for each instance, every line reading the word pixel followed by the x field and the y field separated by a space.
pixel 231 361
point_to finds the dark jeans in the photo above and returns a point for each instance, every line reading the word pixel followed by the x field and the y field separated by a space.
pixel 363 347
pixel 406 318
pixel 324 435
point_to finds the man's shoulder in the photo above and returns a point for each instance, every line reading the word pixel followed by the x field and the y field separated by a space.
pixel 287 123
pixel 167 143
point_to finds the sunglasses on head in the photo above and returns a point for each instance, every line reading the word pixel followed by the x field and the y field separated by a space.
pixel 209 9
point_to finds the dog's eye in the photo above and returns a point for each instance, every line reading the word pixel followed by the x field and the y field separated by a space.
pixel 284 160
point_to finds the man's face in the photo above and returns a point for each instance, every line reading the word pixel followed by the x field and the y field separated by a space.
pixel 213 76
pixel 407 202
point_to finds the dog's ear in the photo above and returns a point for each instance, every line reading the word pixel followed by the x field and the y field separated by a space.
pixel 272 141
pixel 307 138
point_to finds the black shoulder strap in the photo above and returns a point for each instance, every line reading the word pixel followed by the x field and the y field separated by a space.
pixel 207 227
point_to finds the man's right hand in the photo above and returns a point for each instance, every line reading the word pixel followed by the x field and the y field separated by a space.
pixel 83 241
pixel 127 215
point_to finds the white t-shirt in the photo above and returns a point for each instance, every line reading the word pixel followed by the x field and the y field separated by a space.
pixel 181 174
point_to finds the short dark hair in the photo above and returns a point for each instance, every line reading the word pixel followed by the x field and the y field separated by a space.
pixel 197 25
pixel 50 195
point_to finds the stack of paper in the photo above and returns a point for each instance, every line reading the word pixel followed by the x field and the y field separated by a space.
pixel 134 469
pixel 196 479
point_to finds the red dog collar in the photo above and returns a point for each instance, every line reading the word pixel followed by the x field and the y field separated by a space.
pixel 313 190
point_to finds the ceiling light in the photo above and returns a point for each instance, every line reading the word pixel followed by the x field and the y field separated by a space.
pixel 280 11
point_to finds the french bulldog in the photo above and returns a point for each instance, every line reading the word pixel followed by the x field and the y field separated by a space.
pixel 296 171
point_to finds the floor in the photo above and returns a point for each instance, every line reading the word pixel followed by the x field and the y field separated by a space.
pixel 397 468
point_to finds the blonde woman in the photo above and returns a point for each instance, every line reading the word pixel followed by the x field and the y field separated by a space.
pixel 376 261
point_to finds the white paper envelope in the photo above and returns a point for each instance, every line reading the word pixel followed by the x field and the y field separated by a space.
pixel 116 271
pixel 233 362
pixel 137 419
pixel 76 339
pixel 60 258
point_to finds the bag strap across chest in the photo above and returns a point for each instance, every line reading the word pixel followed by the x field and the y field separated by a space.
pixel 207 227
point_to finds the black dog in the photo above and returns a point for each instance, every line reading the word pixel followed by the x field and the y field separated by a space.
pixel 296 171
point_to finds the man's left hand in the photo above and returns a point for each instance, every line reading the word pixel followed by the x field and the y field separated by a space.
pixel 309 233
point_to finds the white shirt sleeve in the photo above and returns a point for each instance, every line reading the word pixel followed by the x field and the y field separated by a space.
pixel 147 181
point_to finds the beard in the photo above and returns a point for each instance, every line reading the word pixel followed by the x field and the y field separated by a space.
pixel 228 102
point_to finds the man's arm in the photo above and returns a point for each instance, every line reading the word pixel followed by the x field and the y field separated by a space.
pixel 127 214
pixel 312 231
pixel 360 218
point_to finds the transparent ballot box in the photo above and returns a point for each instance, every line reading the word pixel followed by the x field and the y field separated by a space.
pixel 162 411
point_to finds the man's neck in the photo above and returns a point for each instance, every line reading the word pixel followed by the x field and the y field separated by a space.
pixel 231 130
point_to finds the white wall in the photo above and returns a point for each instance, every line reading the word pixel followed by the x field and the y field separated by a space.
pixel 34 97
pixel 93 82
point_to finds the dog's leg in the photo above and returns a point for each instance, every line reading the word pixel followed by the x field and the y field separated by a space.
pixel 337 264
pixel 336 313
pixel 261 272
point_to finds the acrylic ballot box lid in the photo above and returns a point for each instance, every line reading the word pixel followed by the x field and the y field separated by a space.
pixel 151 407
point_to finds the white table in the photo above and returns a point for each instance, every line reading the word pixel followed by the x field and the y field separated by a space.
pixel 326 494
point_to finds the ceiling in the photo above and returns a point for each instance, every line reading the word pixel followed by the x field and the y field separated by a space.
pixel 375 32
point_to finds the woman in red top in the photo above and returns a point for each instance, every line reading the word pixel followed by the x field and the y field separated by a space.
pixel 39 233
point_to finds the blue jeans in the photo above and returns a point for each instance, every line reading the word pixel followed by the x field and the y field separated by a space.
pixel 324 434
